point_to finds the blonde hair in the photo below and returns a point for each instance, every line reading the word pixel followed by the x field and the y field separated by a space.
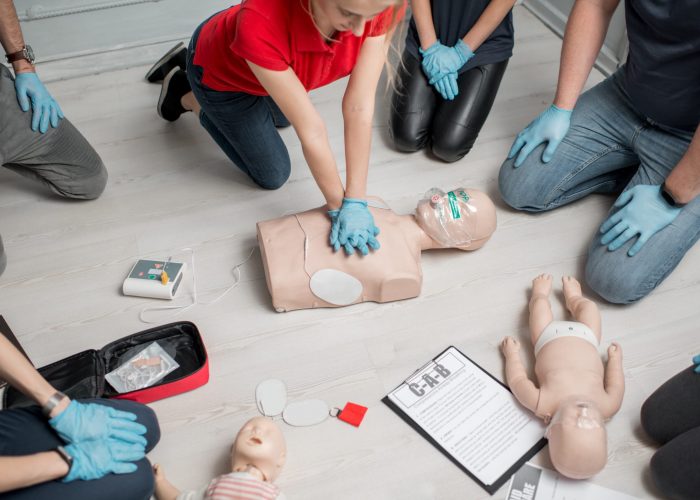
pixel 394 34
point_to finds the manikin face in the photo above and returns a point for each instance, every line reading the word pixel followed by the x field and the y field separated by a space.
pixel 458 218
pixel 577 439
pixel 349 15
pixel 259 444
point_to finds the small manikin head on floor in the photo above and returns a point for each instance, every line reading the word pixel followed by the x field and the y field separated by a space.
pixel 462 218
pixel 577 437
pixel 259 449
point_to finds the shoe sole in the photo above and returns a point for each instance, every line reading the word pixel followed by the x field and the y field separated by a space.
pixel 164 90
pixel 168 55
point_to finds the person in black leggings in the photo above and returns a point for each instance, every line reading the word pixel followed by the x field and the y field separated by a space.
pixel 671 417
pixel 455 56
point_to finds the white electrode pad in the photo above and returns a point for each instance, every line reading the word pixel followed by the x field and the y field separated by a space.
pixel 306 412
pixel 271 397
pixel 146 279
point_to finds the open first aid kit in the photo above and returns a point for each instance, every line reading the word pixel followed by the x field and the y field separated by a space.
pixel 144 367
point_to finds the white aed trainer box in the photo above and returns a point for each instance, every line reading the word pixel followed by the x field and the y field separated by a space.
pixel 146 279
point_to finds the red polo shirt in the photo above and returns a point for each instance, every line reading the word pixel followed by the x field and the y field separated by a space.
pixel 277 34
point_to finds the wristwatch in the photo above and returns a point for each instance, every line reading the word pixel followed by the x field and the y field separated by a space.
pixel 669 197
pixel 53 401
pixel 26 53
pixel 65 456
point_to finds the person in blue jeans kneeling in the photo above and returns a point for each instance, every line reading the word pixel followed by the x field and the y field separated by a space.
pixel 635 133
pixel 71 449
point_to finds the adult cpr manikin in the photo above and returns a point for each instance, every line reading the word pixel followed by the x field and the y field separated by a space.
pixel 576 393
pixel 302 271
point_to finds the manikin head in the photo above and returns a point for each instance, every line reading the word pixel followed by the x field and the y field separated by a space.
pixel 259 447
pixel 462 218
pixel 348 15
pixel 578 444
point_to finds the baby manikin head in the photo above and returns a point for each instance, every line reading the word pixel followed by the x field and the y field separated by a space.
pixel 462 218
pixel 578 444
pixel 259 445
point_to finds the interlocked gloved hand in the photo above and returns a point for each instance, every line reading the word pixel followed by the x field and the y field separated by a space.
pixel 440 61
pixel 333 214
pixel 447 86
pixel 696 362
pixel 96 459
pixel 32 93
pixel 356 227
pixel 550 127
pixel 642 211
pixel 81 422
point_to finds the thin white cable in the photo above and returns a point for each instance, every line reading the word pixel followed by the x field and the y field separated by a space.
pixel 195 300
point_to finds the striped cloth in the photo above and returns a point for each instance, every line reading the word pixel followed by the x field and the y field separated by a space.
pixel 235 486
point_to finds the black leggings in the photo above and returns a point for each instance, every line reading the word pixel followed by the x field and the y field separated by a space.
pixel 671 417
pixel 419 115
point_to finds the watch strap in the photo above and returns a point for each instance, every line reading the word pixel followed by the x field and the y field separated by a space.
pixel 65 456
pixel 25 53
pixel 669 197
pixel 52 402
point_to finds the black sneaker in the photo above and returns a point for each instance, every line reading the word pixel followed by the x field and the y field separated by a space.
pixel 174 58
pixel 175 85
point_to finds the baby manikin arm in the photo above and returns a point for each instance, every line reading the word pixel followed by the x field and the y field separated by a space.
pixel 523 388
pixel 614 381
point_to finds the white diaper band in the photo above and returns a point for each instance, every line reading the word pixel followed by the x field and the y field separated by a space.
pixel 559 329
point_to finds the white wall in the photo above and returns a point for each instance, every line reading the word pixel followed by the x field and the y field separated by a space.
pixel 554 14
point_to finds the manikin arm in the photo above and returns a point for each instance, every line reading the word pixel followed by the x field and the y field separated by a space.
pixel 523 388
pixel 614 381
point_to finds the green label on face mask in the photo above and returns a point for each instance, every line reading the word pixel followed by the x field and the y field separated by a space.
pixel 464 196
pixel 454 206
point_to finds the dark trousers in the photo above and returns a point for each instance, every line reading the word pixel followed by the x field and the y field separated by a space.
pixel 420 116
pixel 25 431
pixel 244 127
pixel 671 417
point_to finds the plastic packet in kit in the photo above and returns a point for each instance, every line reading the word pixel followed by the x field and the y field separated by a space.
pixel 144 369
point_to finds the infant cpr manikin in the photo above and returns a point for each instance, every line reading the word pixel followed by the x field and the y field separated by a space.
pixel 302 271
pixel 576 392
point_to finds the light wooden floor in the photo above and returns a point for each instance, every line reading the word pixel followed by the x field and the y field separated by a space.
pixel 170 187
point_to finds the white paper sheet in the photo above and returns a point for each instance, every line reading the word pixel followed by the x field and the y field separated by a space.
pixel 471 415
pixel 535 483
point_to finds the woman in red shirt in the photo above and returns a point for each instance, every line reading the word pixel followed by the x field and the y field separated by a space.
pixel 249 70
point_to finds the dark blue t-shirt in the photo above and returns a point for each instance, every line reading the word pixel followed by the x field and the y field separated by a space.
pixel 663 64
pixel 453 19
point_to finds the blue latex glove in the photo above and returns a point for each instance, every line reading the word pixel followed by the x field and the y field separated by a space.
pixel 356 229
pixel 81 422
pixel 447 86
pixel 550 127
pixel 696 362
pixel 32 93
pixel 440 60
pixel 643 212
pixel 333 214
pixel 96 459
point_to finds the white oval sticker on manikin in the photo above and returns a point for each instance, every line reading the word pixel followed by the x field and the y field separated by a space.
pixel 335 287
pixel 271 397
pixel 308 412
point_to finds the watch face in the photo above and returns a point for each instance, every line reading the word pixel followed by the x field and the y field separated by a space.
pixel 29 54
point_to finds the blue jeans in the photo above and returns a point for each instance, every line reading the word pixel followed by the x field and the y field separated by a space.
pixel 609 148
pixel 24 431
pixel 244 127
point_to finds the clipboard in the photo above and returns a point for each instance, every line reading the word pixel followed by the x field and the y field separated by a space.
pixel 503 478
